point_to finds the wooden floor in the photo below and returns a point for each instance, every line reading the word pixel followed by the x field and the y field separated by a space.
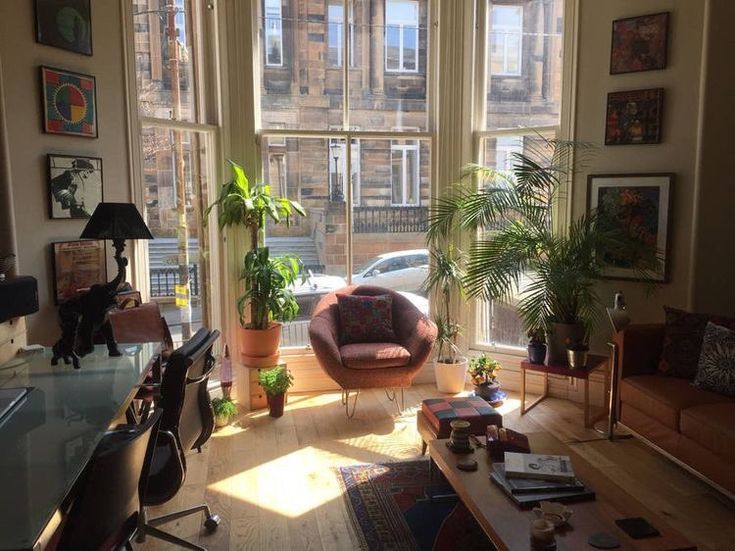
pixel 273 481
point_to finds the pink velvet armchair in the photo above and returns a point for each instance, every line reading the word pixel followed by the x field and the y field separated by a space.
pixel 388 365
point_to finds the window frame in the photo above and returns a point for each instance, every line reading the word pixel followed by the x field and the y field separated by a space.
pixel 352 179
pixel 405 149
pixel 401 25
pixel 507 32
pixel 268 32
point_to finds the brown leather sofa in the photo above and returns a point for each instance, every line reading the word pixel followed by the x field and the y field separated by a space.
pixel 694 426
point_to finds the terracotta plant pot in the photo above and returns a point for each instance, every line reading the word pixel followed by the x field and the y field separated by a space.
pixel 562 333
pixel 450 378
pixel 259 347
pixel 276 404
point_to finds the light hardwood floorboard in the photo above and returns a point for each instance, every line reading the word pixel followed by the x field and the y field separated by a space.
pixel 273 481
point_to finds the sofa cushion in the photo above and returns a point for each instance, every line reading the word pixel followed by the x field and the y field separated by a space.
pixel 365 318
pixel 711 425
pixel 716 369
pixel 663 398
pixel 683 336
pixel 374 355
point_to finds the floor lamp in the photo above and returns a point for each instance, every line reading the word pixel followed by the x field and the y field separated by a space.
pixel 619 320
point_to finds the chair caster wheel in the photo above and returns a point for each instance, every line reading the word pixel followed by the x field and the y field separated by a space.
pixel 212 522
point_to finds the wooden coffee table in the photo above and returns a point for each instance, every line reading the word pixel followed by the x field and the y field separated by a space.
pixel 508 526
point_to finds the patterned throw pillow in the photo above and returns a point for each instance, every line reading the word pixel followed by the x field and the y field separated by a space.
pixel 716 371
pixel 683 341
pixel 365 318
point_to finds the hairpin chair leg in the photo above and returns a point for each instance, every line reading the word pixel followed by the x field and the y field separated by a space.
pixel 346 401
pixel 392 395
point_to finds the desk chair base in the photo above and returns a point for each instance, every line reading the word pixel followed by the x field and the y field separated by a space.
pixel 149 527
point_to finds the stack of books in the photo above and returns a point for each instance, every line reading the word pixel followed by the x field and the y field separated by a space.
pixel 530 478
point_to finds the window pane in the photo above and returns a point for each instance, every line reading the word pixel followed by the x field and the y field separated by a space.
pixel 176 183
pixel 164 59
pixel 320 239
pixel 525 64
pixel 393 48
pixel 410 48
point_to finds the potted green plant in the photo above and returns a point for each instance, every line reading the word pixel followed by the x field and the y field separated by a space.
pixel 519 253
pixel 577 354
pixel 275 383
pixel 483 372
pixel 224 410
pixel 536 346
pixel 445 281
pixel 243 204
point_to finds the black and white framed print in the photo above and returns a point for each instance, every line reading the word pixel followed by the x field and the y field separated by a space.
pixel 75 185
pixel 65 24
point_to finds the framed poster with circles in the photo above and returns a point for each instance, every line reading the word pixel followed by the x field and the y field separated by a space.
pixel 69 103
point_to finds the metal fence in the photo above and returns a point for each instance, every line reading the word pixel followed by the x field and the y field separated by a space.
pixel 164 281
pixel 389 219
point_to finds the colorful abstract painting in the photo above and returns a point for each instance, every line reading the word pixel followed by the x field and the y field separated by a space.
pixel 69 101
pixel 639 205
pixel 634 117
pixel 639 43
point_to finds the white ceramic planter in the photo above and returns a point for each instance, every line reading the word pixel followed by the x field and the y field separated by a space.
pixel 450 378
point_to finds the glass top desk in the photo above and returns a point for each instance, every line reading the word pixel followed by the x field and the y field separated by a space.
pixel 48 438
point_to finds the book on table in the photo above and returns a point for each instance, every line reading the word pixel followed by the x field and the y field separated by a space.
pixel 535 486
pixel 539 466
pixel 527 500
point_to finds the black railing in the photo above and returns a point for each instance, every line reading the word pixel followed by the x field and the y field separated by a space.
pixel 164 280
pixel 389 219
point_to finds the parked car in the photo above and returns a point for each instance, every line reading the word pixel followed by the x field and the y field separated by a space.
pixel 399 270
pixel 315 287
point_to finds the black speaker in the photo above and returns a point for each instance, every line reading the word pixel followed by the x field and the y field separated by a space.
pixel 18 297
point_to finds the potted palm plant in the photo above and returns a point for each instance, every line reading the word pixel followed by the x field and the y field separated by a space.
pixel 267 280
pixel 275 383
pixel 445 281
pixel 517 254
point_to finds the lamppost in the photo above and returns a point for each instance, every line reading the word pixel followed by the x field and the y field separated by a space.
pixel 336 193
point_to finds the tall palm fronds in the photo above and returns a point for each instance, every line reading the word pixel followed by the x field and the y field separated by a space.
pixel 515 253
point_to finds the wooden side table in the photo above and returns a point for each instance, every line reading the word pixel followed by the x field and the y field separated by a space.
pixel 258 399
pixel 593 362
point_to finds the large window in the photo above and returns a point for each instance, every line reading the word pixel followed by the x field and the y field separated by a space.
pixel 401 35
pixel 506 40
pixel 522 88
pixel 176 150
pixel 357 144
pixel 273 31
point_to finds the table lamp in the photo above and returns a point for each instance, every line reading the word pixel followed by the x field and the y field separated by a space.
pixel 84 314
pixel 619 320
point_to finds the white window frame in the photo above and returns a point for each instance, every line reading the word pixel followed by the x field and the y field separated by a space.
pixel 508 31
pixel 402 24
pixel 405 187
pixel 269 32
pixel 339 24
pixel 505 147
pixel 353 179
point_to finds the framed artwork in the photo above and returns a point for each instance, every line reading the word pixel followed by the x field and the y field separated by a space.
pixel 75 185
pixel 65 24
pixel 69 103
pixel 77 266
pixel 634 117
pixel 641 205
pixel 639 43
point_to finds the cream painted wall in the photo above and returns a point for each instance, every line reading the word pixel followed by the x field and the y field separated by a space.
pixel 28 145
pixel 677 151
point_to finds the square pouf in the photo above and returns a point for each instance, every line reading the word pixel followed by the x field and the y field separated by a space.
pixel 436 414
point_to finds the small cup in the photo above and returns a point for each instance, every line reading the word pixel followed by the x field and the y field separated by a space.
pixel 542 531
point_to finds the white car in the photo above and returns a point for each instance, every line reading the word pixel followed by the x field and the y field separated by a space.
pixel 398 270
pixel 307 294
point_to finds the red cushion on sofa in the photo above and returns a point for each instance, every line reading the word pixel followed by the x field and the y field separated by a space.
pixel 374 355
pixel 440 412
pixel 683 336
pixel 365 318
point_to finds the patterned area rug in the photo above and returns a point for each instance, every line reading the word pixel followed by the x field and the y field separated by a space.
pixel 390 510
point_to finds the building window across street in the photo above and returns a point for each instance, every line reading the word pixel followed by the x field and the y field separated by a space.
pixel 401 36
pixel 506 40
pixel 405 172
pixel 273 33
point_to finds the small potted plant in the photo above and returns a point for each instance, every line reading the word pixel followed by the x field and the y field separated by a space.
pixel 275 383
pixel 224 410
pixel 483 372
pixel 577 353
pixel 537 346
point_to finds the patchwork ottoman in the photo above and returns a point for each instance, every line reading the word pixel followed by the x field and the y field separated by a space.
pixel 436 414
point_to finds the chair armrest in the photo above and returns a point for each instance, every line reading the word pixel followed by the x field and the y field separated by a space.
pixel 323 335
pixel 640 349
pixel 414 331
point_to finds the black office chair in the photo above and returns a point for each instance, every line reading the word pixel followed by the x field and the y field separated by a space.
pixel 187 422
pixel 105 510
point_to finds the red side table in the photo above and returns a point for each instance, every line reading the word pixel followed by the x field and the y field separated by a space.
pixel 593 362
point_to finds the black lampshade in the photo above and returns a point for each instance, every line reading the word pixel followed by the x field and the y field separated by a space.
pixel 116 221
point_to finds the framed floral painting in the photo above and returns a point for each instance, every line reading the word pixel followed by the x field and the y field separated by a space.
pixel 640 204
